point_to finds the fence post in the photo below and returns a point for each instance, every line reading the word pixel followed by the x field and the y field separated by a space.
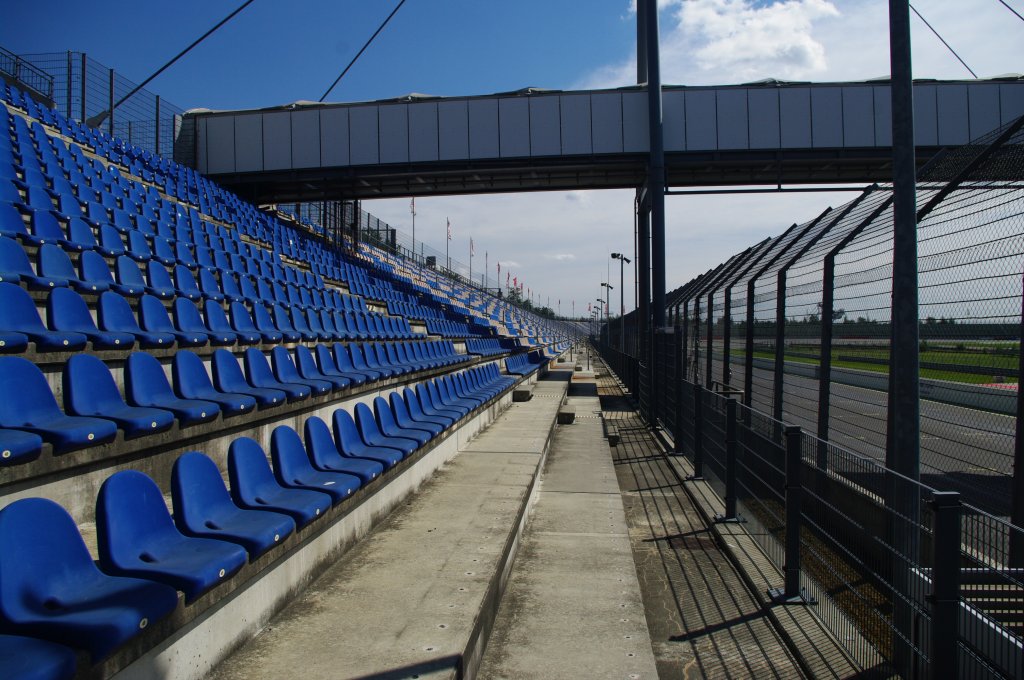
pixel 678 387
pixel 710 341
pixel 730 464
pixel 698 434
pixel 791 592
pixel 81 84
pixel 110 104
pixel 945 595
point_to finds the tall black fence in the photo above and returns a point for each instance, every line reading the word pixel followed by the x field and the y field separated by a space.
pixel 774 381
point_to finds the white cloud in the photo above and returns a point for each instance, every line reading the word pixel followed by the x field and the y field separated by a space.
pixel 560 257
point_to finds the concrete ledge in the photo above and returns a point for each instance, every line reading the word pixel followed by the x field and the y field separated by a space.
pixel 566 415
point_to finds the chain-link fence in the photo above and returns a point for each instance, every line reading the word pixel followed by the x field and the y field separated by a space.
pixel 801 324
pixel 83 89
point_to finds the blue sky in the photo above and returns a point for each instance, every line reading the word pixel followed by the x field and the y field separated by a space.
pixel 558 243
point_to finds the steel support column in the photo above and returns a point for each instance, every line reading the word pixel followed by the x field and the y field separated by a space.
pixel 656 166
pixel 903 432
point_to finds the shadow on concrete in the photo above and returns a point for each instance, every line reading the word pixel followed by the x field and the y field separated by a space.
pixel 450 662
pixel 582 389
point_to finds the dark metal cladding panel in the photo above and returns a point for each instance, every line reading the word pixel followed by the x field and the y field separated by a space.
pixel 334 133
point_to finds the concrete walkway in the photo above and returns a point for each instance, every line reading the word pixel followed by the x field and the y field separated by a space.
pixel 416 598
pixel 573 607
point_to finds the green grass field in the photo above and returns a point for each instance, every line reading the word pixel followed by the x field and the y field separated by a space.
pixel 986 364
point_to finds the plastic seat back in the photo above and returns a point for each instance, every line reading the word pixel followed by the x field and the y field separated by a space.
pixel 136 536
pixel 253 485
pixel 52 589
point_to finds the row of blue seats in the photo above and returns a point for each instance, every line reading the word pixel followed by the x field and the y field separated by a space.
pixel 487 346
pixel 526 363
pixel 70 324
pixel 53 590
pixel 79 233
pixel 94 408
pixel 93 273
pixel 176 180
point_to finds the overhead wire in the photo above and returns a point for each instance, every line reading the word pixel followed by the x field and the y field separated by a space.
pixel 360 52
pixel 96 120
pixel 948 46
pixel 1015 12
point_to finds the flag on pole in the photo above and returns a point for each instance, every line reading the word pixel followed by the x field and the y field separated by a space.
pixel 515 281
pixel 449 229
pixel 472 250
pixel 412 206
pixel 499 271
pixel 507 274
pixel 588 308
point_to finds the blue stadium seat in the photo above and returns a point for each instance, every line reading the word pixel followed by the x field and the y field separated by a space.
pixel 19 447
pixel 94 272
pixel 26 658
pixel 187 319
pixel 254 487
pixel 431 407
pixel 46 228
pixel 243 325
pixel 266 326
pixel 191 381
pixel 67 312
pixel 404 419
pixel 160 283
pixel 155 319
pixel 90 390
pixel 417 413
pixel 138 246
pixel 346 358
pixel 389 427
pixel 371 434
pixel 145 384
pixel 346 435
pixel 309 370
pixel 26 403
pixel 285 371
pixel 325 361
pixel 15 267
pixel 209 286
pixel 18 315
pixel 293 469
pixel 115 314
pixel 186 283
pixel 53 263
pixel 228 377
pixel 203 508
pixel 11 223
pixel 258 374
pixel 53 590
pixel 324 454
pixel 80 235
pixel 217 322
pixel 111 244
pixel 136 536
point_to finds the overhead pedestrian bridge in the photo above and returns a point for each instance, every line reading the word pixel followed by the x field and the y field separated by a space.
pixel 768 132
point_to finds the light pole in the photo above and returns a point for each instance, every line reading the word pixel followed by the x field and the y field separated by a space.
pixel 607 315
pixel 623 261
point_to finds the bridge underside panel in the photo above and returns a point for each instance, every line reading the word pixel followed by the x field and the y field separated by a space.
pixel 535 141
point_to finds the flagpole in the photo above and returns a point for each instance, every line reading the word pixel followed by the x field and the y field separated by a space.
pixel 447 257
pixel 470 260
pixel 412 209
